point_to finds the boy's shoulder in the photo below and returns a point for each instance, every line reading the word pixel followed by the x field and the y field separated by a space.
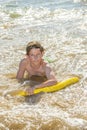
pixel 24 61
pixel 46 64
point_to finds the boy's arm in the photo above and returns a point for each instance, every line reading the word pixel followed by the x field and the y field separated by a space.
pixel 21 70
pixel 51 79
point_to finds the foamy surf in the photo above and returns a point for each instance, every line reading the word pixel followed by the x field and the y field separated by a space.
pixel 61 26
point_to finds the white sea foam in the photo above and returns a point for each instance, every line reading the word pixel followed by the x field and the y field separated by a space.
pixel 61 26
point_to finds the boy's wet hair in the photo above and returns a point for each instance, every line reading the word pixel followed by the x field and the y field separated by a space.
pixel 33 44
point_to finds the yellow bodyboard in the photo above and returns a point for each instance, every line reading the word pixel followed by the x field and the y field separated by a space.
pixel 53 88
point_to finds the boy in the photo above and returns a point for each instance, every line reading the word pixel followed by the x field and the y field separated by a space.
pixel 35 65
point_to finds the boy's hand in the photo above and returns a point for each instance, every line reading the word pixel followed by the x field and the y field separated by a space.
pixel 30 91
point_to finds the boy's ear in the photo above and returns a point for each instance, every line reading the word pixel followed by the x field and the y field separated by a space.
pixel 42 53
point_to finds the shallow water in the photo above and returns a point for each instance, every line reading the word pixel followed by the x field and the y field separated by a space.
pixel 61 26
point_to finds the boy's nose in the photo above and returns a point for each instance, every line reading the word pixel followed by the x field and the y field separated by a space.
pixel 35 57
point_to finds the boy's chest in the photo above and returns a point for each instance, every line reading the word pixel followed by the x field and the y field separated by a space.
pixel 40 71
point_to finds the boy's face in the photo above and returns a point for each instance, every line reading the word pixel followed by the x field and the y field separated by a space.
pixel 35 56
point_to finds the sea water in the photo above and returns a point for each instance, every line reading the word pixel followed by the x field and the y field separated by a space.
pixel 61 26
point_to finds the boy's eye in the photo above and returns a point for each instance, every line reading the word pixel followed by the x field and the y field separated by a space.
pixel 38 55
pixel 31 55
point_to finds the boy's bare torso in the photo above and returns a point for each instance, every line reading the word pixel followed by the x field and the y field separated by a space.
pixel 38 70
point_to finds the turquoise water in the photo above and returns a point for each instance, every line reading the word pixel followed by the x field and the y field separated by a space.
pixel 61 26
pixel 51 4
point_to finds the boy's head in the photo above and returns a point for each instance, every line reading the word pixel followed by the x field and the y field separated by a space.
pixel 33 44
